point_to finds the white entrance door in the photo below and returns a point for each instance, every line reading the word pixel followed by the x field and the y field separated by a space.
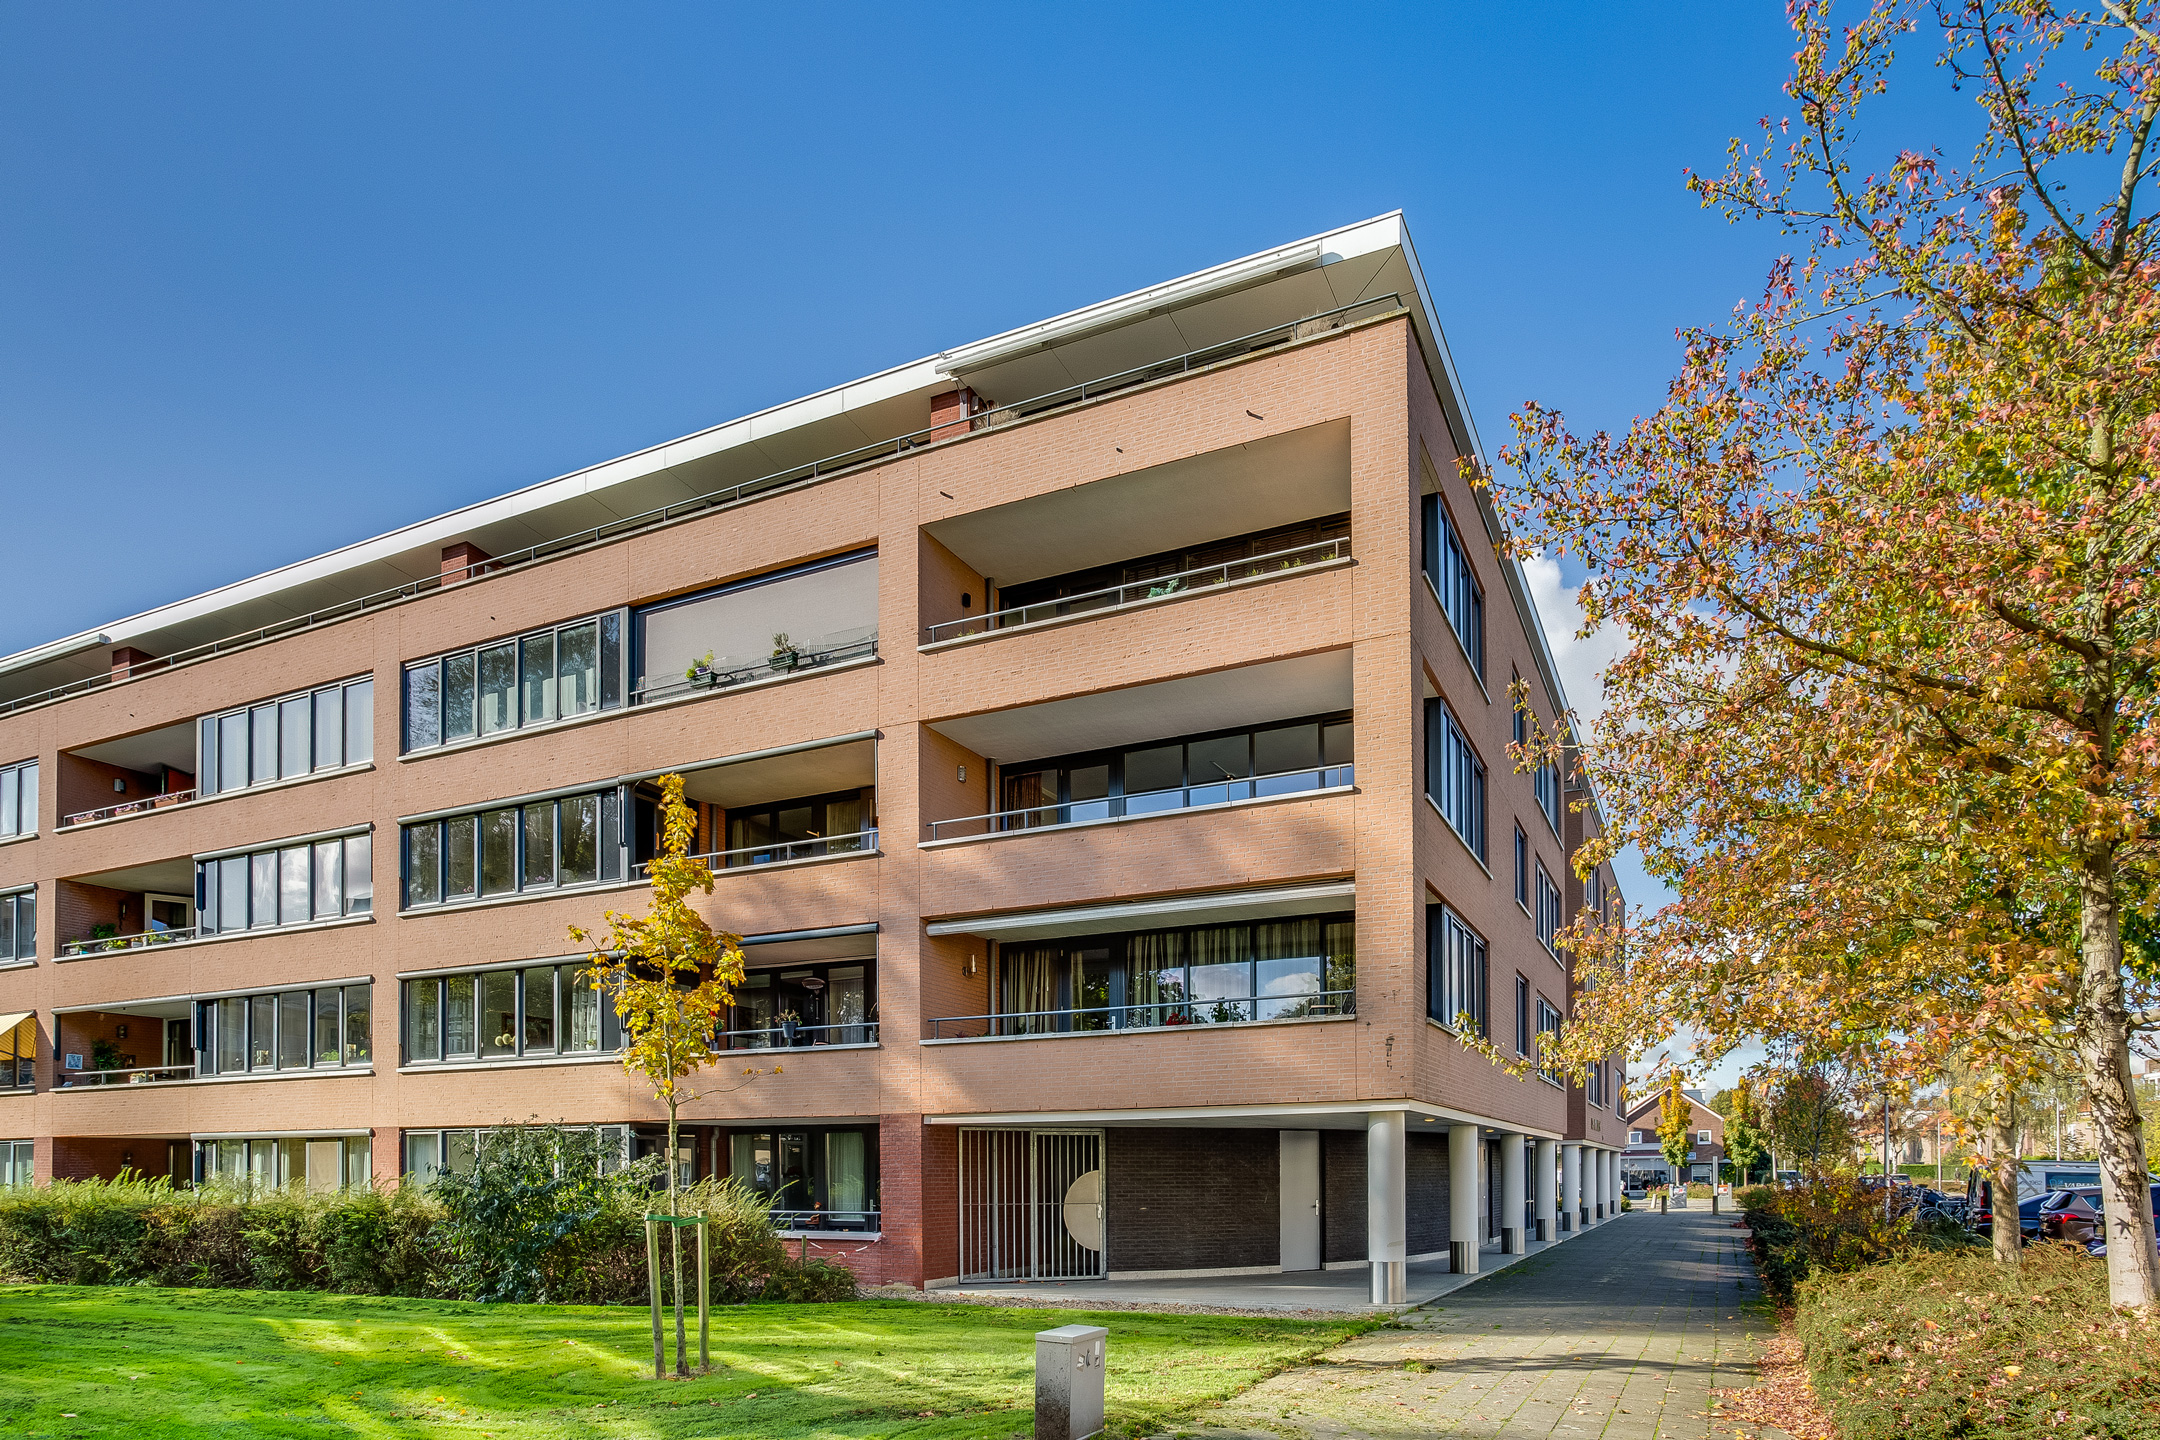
pixel 1300 1199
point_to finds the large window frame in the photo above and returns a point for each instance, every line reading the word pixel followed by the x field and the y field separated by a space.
pixel 1455 776
pixel 18 799
pixel 810 1199
pixel 288 737
pixel 1549 918
pixel 320 1028
pixel 18 925
pixel 311 879
pixel 537 845
pixel 1548 1024
pixel 503 1014
pixel 837 1006
pixel 514 683
pixel 1457 970
pixel 425 1154
pixel 18 1163
pixel 765 657
pixel 1140 779
pixel 1447 567
pixel 269 1162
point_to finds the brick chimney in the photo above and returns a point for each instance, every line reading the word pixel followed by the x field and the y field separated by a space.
pixel 949 412
pixel 462 561
pixel 126 659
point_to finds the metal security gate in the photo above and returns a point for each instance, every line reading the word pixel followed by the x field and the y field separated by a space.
pixel 1031 1205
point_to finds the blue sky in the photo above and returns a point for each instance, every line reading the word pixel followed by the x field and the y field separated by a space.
pixel 274 278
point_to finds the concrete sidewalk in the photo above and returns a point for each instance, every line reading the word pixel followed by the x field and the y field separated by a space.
pixel 1620 1333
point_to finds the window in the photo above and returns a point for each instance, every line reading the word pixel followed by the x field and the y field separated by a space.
pixel 518 849
pixel 1455 970
pixel 429 1153
pixel 19 799
pixel 818 1178
pixel 1522 869
pixel 1522 1015
pixel 558 673
pixel 829 1005
pixel 1447 567
pixel 292 884
pixel 1548 1024
pixel 532 1011
pixel 1548 908
pixel 283 739
pixel 1545 780
pixel 18 1163
pixel 751 629
pixel 1280 758
pixel 326 1028
pixel 320 1164
pixel 797 829
pixel 1293 969
pixel 1594 1084
pixel 1454 776
pixel 1635 1137
pixel 18 925
pixel 1702 1137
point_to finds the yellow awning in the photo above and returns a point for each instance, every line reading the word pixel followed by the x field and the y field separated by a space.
pixel 10 1021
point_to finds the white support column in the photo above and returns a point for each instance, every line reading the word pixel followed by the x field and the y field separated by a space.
pixel 1387 1169
pixel 1570 1188
pixel 1511 1194
pixel 1466 1227
pixel 1546 1168
pixel 1606 1208
pixel 1593 1185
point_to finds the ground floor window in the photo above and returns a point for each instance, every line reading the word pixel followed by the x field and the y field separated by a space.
pixel 318 1163
pixel 18 1162
pixel 429 1153
pixel 818 1177
pixel 1205 974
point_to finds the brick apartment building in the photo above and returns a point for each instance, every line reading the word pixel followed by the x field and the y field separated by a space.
pixel 1099 732
pixel 1643 1160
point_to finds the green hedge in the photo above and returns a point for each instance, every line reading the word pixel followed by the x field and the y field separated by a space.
pixel 1935 1346
pixel 1832 1225
pixel 399 1242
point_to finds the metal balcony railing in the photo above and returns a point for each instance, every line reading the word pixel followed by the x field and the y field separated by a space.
pixel 728 671
pixel 1163 1015
pixel 783 1037
pixel 129 807
pixel 1321 324
pixel 842 1222
pixel 1117 597
pixel 861 842
pixel 100 944
pixel 1147 802
pixel 139 1075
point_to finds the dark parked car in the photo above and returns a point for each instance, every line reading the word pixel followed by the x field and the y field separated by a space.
pixel 2072 1215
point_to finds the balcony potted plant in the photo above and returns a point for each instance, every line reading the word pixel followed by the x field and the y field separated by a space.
pixel 699 671
pixel 785 656
pixel 790 1023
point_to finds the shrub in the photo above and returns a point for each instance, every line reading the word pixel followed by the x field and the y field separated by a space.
pixel 1930 1346
pixel 530 1190
pixel 1835 1225
pixel 809 1282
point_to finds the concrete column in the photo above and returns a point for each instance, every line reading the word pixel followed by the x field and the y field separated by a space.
pixel 1511 1194
pixel 1570 1188
pixel 1545 1166
pixel 1387 1169
pixel 1604 1185
pixel 1466 1227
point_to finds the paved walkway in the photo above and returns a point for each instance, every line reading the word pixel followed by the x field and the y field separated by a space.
pixel 1618 1334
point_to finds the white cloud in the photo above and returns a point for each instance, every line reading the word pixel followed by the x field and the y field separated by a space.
pixel 1581 659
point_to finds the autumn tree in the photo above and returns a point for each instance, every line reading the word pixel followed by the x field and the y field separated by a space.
pixel 1746 1140
pixel 1884 564
pixel 1676 1128
pixel 671 977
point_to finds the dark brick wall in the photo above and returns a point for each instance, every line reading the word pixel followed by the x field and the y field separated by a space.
pixel 1342 1184
pixel 1193 1199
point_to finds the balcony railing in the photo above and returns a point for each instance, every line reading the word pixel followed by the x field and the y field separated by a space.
pixel 128 807
pixel 1116 597
pixel 1163 1015
pixel 98 945
pixel 727 671
pixel 1147 802
pixel 871 454
pixel 840 1221
pixel 797 1037
pixel 861 842
pixel 140 1075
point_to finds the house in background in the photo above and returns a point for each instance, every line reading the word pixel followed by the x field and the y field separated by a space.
pixel 1643 1160
pixel 1099 733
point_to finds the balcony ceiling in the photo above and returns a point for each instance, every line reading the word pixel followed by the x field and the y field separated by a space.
pixel 1276 481
pixel 1214 908
pixel 174 745
pixel 162 877
pixel 1247 695
pixel 784 777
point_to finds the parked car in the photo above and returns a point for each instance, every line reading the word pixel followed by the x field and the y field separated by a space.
pixel 1980 1214
pixel 2072 1215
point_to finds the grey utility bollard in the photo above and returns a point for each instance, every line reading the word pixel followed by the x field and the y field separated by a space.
pixel 1069 1382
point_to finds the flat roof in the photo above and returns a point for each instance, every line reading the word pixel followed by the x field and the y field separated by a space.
pixel 1363 262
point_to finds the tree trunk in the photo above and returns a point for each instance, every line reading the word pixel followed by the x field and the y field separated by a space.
pixel 674 1208
pixel 2101 1030
pixel 1999 1160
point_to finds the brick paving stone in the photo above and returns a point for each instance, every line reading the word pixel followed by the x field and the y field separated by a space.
pixel 1619 1334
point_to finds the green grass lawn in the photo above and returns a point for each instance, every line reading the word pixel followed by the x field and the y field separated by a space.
pixel 147 1363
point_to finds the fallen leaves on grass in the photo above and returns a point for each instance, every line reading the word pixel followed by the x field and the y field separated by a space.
pixel 1782 1395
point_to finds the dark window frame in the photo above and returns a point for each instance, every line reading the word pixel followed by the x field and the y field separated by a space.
pixel 1113 759
pixel 1458 970
pixel 609 860
pixel 610 1023
pixel 1455 776
pixel 1445 562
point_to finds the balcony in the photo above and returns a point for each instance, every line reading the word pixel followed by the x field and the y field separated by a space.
pixel 146 1043
pixel 1131 804
pixel 799 805
pixel 767 627
pixel 140 907
pixel 131 776
pixel 1113 1019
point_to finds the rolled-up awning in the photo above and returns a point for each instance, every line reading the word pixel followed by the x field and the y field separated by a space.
pixel 1215 907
